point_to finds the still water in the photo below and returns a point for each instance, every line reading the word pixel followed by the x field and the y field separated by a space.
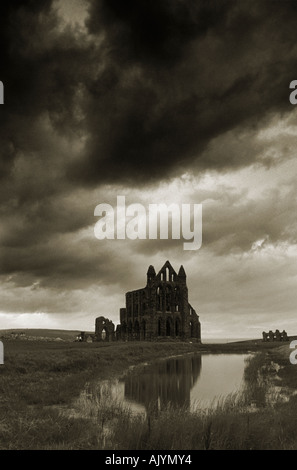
pixel 188 381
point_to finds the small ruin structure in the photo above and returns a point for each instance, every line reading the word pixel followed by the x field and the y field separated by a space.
pixel 104 331
pixel 275 336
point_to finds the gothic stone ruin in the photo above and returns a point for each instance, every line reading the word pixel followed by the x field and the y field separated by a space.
pixel 104 331
pixel 159 310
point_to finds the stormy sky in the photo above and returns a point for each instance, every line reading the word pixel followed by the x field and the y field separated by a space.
pixel 180 101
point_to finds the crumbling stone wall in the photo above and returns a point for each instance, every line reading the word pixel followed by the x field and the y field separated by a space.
pixel 104 329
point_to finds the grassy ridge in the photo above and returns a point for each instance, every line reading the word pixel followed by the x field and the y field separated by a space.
pixel 40 378
pixel 40 382
pixel 65 335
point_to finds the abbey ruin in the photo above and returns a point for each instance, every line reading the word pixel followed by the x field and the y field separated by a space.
pixel 159 310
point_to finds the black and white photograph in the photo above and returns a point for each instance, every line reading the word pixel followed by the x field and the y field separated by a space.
pixel 148 227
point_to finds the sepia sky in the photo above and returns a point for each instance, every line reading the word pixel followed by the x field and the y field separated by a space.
pixel 179 101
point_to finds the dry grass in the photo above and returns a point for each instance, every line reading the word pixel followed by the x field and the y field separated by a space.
pixel 43 406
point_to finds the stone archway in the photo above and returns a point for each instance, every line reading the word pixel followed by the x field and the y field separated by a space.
pixel 192 329
pixel 159 298
pixel 143 330
pixel 168 327
pixel 177 327
pixel 123 331
pixel 130 331
pixel 160 325
pixel 137 330
pixel 104 334
pixel 168 298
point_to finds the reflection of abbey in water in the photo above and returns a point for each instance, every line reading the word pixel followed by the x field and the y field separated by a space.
pixel 160 309
pixel 164 383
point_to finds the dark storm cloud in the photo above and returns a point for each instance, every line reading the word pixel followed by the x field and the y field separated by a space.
pixel 154 33
pixel 41 69
pixel 64 263
pixel 151 85
pixel 42 66
pixel 174 75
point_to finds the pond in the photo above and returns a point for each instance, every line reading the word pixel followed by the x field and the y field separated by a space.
pixel 192 381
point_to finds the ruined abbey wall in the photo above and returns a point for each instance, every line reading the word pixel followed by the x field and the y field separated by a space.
pixel 159 310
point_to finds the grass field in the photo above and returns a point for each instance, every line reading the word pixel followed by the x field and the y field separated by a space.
pixel 41 384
